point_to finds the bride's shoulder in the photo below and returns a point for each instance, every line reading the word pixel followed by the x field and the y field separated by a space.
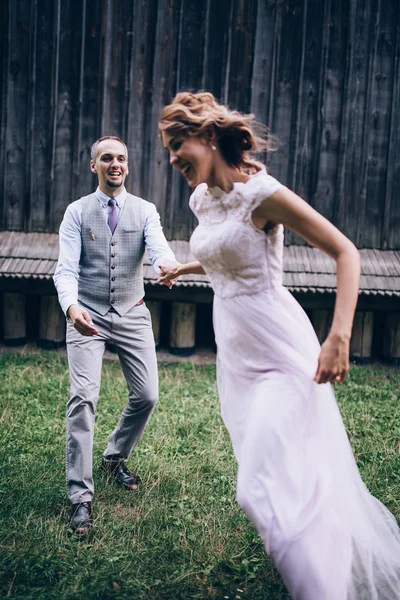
pixel 258 188
pixel 262 182
pixel 254 191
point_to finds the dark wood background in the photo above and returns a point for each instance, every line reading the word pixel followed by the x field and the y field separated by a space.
pixel 323 74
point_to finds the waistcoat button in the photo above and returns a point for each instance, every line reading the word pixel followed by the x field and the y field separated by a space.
pixel 113 266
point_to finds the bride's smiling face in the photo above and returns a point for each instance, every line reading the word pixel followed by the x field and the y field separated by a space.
pixel 193 156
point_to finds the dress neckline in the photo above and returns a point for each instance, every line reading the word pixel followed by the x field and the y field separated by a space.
pixel 217 192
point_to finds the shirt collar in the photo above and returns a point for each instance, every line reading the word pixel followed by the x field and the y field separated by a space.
pixel 103 198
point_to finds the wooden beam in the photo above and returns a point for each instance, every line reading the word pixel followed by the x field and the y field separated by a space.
pixel 14 319
pixel 182 330
pixel 52 323
pixel 391 336
pixel 321 320
pixel 361 339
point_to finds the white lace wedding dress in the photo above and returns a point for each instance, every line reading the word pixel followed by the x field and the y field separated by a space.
pixel 297 478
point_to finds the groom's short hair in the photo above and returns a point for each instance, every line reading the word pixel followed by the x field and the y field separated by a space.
pixel 93 150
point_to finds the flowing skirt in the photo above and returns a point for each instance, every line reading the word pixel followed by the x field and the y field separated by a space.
pixel 297 478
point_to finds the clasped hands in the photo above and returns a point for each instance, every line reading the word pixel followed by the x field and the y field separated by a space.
pixel 169 272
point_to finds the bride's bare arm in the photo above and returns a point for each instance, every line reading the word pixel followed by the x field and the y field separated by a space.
pixel 289 209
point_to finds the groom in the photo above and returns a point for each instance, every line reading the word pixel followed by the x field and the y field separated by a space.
pixel 99 280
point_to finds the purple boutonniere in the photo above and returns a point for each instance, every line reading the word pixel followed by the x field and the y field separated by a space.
pixel 90 232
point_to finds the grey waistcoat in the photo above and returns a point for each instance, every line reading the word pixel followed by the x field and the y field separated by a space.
pixel 111 266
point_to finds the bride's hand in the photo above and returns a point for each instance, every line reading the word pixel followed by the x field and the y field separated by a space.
pixel 333 362
pixel 169 272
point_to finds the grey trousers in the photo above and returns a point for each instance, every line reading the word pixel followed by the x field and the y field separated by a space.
pixel 133 338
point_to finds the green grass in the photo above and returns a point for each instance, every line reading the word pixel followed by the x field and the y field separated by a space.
pixel 183 535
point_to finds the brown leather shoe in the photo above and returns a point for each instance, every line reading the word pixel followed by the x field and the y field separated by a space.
pixel 119 470
pixel 81 520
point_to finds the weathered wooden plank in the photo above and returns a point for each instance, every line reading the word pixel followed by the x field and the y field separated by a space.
pixel 282 102
pixel 89 90
pixel 115 19
pixel 14 182
pixel 106 57
pixel 330 106
pixel 263 65
pixel 72 143
pixel 51 197
pixel 78 70
pixel 241 54
pixel 51 323
pixel 30 196
pixel 4 62
pixel 361 339
pixel 191 45
pixel 321 320
pixel 273 160
pixel 14 318
pixel 391 340
pixel 388 262
pixel 216 40
pixel 150 111
pixel 391 217
pixel 225 86
pixel 140 57
pixel 381 74
pixel 298 107
pixel 183 328
pixel 365 51
pixel 69 105
pixel 318 139
pixel 344 211
pixel 350 198
pixel 39 133
pixel 189 42
pixel 163 87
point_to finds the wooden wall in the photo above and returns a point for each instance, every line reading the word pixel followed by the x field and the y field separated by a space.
pixel 324 74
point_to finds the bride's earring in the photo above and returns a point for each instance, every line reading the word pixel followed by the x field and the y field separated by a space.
pixel 213 147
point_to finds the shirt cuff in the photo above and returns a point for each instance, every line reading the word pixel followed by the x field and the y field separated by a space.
pixel 170 256
pixel 65 303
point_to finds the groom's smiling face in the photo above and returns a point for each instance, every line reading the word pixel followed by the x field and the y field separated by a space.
pixel 110 166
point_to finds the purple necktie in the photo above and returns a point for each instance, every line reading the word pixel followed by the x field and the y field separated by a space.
pixel 113 216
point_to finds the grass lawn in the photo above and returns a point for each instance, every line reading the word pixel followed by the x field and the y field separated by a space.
pixel 182 536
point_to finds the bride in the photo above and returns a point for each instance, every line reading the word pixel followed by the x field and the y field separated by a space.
pixel 297 478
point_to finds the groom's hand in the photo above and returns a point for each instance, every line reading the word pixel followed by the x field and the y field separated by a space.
pixel 81 320
pixel 169 272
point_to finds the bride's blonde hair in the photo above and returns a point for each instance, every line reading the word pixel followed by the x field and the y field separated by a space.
pixel 236 134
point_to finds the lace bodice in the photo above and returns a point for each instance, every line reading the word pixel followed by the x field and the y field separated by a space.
pixel 237 257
